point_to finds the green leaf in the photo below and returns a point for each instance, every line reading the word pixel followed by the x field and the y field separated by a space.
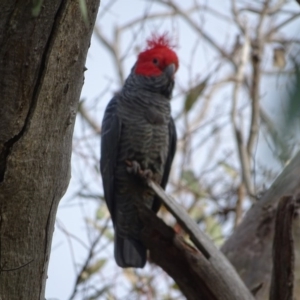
pixel 197 212
pixel 91 270
pixel 174 286
pixel 109 234
pixel 84 11
pixel 130 275
pixel 37 6
pixel 231 171
pixel 101 212
pixel 214 230
pixel 192 183
pixel 194 93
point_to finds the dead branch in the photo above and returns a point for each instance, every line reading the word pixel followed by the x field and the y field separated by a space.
pixel 204 274
pixel 113 49
pixel 85 115
pixel 256 75
pixel 194 25
pixel 243 154
pixel 254 236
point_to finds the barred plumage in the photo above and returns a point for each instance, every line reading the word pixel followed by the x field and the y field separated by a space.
pixel 137 126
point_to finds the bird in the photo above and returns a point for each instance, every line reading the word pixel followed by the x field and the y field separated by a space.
pixel 138 142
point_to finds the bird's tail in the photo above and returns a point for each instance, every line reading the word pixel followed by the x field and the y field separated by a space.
pixel 129 253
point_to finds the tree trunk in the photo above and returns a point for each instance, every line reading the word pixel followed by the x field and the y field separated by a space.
pixel 41 75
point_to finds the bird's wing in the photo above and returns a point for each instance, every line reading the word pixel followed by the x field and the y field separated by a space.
pixel 171 153
pixel 111 131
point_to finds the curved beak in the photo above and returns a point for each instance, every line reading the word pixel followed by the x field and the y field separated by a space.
pixel 170 70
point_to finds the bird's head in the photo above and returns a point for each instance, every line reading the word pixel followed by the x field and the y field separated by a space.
pixel 158 58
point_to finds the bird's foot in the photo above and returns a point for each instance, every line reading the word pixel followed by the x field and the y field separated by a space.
pixel 133 167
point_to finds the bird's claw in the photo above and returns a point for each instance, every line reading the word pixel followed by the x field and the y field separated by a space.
pixel 147 174
pixel 133 167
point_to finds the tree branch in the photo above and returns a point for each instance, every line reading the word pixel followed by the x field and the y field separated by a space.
pixel 257 48
pixel 194 25
pixel 243 154
pixel 254 235
pixel 113 49
pixel 256 76
pixel 283 251
pixel 204 274
pixel 85 115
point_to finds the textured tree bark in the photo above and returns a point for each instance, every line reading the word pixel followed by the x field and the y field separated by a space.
pixel 205 265
pixel 249 248
pixel 282 283
pixel 41 65
pixel 195 274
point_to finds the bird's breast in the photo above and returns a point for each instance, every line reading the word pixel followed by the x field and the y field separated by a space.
pixel 145 138
pixel 155 117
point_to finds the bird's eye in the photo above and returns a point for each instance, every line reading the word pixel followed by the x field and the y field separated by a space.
pixel 155 61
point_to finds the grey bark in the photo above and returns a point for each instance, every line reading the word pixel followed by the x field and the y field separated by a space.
pixel 249 248
pixel 41 75
pixel 213 275
pixel 282 283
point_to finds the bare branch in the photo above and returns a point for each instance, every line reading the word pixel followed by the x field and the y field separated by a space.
pixel 215 277
pixel 87 261
pixel 151 17
pixel 257 47
pixel 193 24
pixel 236 16
pixel 255 233
pixel 113 50
pixel 270 11
pixel 282 24
pixel 85 115
pixel 254 91
pixel 243 155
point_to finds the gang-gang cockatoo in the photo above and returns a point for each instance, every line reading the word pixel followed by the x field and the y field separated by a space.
pixel 138 141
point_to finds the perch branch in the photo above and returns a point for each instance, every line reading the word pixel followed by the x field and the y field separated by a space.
pixel 254 235
pixel 203 274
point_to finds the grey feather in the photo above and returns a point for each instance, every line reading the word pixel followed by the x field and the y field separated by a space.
pixel 137 125
pixel 111 131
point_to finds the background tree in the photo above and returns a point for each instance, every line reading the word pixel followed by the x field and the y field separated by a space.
pixel 237 63
pixel 43 47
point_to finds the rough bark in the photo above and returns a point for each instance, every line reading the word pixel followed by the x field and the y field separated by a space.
pixel 282 283
pixel 249 248
pixel 201 272
pixel 41 65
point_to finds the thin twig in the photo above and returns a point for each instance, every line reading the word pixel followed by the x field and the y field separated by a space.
pixel 85 115
pixel 194 25
pixel 113 49
pixel 254 91
pixel 87 260
pixel 282 24
pixel 243 155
